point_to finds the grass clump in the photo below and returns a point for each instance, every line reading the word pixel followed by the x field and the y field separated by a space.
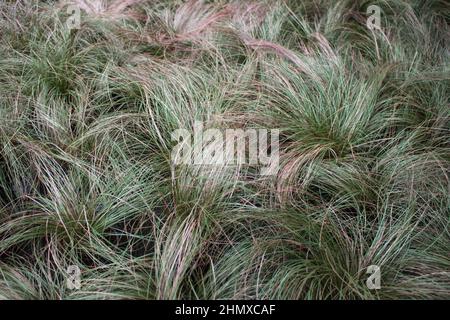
pixel 86 177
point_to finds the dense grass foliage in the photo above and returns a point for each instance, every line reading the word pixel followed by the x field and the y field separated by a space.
pixel 86 176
